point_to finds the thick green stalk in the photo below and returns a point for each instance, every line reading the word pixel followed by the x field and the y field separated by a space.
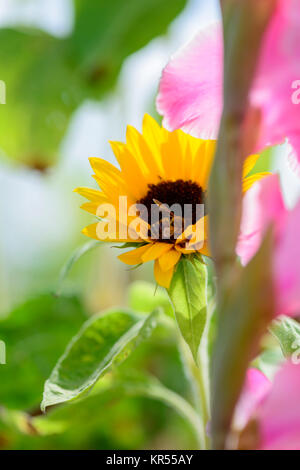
pixel 244 26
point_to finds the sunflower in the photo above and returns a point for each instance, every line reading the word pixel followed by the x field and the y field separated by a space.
pixel 158 168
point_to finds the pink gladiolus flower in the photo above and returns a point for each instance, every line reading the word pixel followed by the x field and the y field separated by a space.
pixel 190 93
pixel 262 205
pixel 274 407
pixel 256 388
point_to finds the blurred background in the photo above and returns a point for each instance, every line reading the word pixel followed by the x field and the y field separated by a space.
pixel 76 73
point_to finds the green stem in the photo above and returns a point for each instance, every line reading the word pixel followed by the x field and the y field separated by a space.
pixel 188 295
pixel 182 406
pixel 199 379
pixel 202 377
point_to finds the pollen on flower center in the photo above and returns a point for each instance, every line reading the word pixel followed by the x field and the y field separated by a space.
pixel 166 194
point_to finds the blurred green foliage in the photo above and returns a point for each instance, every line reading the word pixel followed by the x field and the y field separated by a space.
pixel 36 334
pixel 135 405
pixel 47 78
pixel 126 409
pixel 146 297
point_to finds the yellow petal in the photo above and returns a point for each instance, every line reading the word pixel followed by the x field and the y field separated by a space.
pixel 112 231
pixel 152 132
pixel 203 161
pixel 172 156
pixel 249 164
pixel 157 249
pixel 122 228
pixel 131 171
pixel 198 161
pixel 154 136
pixel 90 207
pixel 90 231
pixel 183 250
pixel 184 150
pixel 108 187
pixel 146 159
pixel 101 166
pixel 192 231
pixel 109 178
pixel 168 260
pixel 188 242
pixel 134 257
pixel 137 225
pixel 91 194
pixel 205 249
pixel 112 188
pixel 191 150
pixel 163 278
pixel 111 235
pixel 248 182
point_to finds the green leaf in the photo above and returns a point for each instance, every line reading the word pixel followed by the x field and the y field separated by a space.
pixel 268 362
pixel 145 297
pixel 78 253
pixel 35 334
pixel 264 163
pixel 42 92
pixel 287 332
pixel 122 385
pixel 189 298
pixel 105 33
pixel 128 245
pixel 105 340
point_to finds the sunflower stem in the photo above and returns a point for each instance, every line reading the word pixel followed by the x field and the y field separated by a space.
pixel 201 374
pixel 198 375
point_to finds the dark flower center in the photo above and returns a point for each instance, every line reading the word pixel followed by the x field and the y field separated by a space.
pixel 176 205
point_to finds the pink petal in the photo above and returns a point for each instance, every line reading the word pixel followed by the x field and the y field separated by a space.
pixel 262 204
pixel 279 414
pixel 190 93
pixel 256 388
pixel 278 68
pixel 287 266
pixel 275 406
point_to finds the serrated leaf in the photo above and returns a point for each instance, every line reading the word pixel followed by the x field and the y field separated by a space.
pixel 104 340
pixel 287 332
pixel 189 298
